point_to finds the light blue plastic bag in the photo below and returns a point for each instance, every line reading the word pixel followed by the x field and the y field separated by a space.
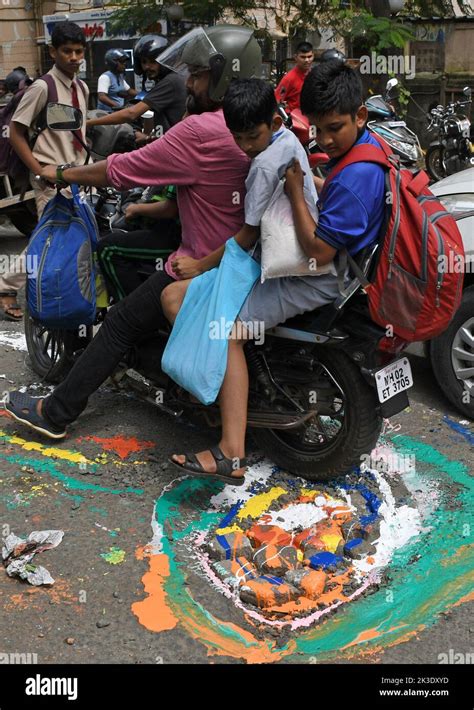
pixel 196 354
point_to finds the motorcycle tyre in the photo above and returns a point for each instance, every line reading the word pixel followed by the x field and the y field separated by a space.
pixel 39 361
pixel 433 158
pixel 440 356
pixel 362 421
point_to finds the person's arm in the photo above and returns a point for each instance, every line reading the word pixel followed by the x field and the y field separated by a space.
pixel 105 98
pixel 94 174
pixel 21 146
pixel 185 267
pixel 318 183
pixel 160 209
pixel 125 115
pixel 313 247
pixel 162 162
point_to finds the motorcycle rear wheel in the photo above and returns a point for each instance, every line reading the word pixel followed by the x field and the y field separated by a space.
pixel 356 434
pixel 434 163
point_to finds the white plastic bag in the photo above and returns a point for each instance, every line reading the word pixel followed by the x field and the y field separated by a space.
pixel 282 254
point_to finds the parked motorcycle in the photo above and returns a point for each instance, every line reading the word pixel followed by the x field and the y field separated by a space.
pixel 384 121
pixel 320 384
pixel 452 150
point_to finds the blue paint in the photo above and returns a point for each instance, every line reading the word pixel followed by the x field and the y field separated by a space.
pixel 372 501
pixel 353 543
pixel 466 433
pixel 272 580
pixel 231 514
pixel 324 560
pixel 221 539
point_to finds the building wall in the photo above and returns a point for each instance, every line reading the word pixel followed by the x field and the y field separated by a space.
pixel 459 56
pixel 17 38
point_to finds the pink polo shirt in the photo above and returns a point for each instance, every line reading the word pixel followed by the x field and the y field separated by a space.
pixel 200 157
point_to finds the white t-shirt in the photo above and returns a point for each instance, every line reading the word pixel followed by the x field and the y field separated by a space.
pixel 103 85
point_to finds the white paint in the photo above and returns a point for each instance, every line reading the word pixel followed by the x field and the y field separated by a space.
pixel 302 515
pixel 258 473
pixel 397 527
pixel 14 340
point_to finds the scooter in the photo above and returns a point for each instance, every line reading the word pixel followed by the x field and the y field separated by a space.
pixel 319 383
pixel 384 121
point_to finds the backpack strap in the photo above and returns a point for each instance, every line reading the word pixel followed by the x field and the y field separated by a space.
pixel 81 84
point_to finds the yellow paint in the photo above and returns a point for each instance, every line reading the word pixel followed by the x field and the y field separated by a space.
pixel 63 454
pixel 300 555
pixel 229 529
pixel 260 503
pixel 49 451
pixel 331 542
pixel 310 493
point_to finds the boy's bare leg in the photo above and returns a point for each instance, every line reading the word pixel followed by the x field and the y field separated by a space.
pixel 233 400
pixel 172 298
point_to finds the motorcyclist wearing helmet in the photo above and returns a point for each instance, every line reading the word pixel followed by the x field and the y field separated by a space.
pixel 166 99
pixel 201 158
pixel 17 80
pixel 112 89
pixel 333 54
pixel 289 89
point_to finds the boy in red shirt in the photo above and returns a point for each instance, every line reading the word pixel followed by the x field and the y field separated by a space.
pixel 289 89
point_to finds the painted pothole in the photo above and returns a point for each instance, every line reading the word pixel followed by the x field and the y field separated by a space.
pixel 283 569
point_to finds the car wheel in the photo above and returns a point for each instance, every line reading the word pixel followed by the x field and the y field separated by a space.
pixel 452 357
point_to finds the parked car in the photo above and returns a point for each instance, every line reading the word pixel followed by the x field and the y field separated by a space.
pixel 452 353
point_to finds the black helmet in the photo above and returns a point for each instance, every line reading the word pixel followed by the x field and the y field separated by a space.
pixel 113 56
pixel 148 47
pixel 13 81
pixel 227 51
pixel 333 54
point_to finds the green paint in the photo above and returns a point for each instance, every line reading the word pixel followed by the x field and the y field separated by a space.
pixel 99 511
pixel 72 483
pixel 421 589
pixel 115 557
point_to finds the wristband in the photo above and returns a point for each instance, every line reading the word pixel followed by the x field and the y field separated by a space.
pixel 59 173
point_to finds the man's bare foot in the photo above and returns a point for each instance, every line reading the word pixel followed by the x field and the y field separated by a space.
pixel 11 309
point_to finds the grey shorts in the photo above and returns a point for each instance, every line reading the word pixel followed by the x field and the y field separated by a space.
pixel 276 300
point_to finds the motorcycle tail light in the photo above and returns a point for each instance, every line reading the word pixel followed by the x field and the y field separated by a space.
pixel 393 345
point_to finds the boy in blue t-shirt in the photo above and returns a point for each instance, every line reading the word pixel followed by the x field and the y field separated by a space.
pixel 351 215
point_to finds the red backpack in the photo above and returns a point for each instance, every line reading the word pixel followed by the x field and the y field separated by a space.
pixel 416 286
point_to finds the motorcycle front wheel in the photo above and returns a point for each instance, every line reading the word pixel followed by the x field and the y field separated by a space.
pixel 332 444
pixel 434 163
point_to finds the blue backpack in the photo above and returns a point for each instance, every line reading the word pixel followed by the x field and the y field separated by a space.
pixel 60 288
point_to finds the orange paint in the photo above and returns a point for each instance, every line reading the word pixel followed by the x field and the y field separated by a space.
pixel 268 534
pixel 121 445
pixel 313 584
pixel 36 597
pixel 153 612
pixel 466 598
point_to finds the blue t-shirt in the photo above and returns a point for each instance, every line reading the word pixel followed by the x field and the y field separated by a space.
pixel 354 205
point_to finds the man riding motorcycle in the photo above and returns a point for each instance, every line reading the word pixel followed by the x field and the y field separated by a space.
pixel 200 157
pixel 166 99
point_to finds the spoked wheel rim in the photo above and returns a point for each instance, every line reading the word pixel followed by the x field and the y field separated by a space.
pixel 49 344
pixel 321 433
pixel 462 354
pixel 436 165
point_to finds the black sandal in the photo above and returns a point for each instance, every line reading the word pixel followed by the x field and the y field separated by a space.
pixel 224 467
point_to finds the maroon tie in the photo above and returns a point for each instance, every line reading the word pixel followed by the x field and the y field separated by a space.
pixel 77 134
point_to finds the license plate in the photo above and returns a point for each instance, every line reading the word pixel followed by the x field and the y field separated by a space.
pixel 393 379
pixel 395 124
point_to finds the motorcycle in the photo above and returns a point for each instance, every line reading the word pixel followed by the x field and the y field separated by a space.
pixel 384 121
pixel 452 150
pixel 320 384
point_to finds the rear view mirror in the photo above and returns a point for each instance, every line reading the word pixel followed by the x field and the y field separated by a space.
pixel 391 83
pixel 60 117
pixel 467 91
